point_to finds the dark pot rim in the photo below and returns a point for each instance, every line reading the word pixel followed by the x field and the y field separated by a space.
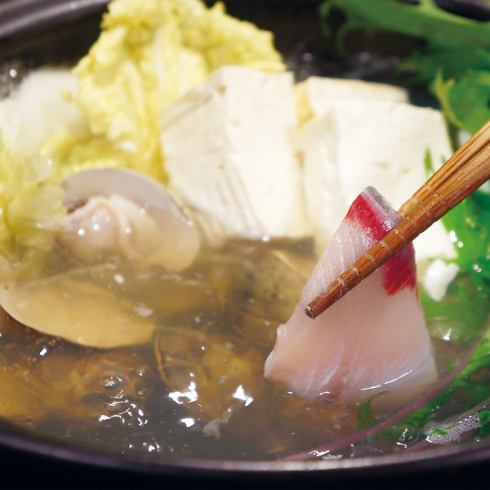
pixel 440 458
pixel 19 16
pixel 25 16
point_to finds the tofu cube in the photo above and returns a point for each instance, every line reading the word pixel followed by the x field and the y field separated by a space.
pixel 357 143
pixel 229 153
pixel 316 94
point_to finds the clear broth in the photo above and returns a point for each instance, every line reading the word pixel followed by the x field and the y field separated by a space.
pixel 196 388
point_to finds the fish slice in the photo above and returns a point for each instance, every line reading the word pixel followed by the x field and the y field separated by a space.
pixel 462 174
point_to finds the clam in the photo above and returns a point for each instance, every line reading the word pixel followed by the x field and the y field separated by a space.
pixel 77 310
pixel 5 267
pixel 112 212
pixel 11 333
pixel 120 211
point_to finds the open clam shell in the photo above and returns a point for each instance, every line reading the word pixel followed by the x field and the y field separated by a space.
pixel 118 210
pixel 111 211
pixel 75 310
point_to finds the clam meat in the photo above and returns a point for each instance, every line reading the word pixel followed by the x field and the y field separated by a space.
pixel 115 216
pixel 121 211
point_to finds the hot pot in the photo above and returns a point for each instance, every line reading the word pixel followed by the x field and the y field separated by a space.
pixel 58 32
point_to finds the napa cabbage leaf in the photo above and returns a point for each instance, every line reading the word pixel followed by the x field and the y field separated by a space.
pixel 107 115
pixel 147 55
pixel 31 210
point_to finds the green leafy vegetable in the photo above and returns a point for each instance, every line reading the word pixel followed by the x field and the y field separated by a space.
pixel 455 58
pixel 439 432
pixel 454 63
pixel 484 416
pixel 466 307
pixel 467 391
pixel 424 19
pixel 365 417
pixel 465 100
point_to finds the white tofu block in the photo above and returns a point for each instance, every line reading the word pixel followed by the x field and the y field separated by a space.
pixel 383 144
pixel 437 278
pixel 37 109
pixel 228 151
pixel 316 94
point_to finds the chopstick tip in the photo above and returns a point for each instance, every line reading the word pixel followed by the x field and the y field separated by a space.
pixel 310 311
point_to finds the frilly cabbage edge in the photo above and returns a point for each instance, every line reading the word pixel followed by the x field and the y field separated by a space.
pixel 31 209
pixel 147 55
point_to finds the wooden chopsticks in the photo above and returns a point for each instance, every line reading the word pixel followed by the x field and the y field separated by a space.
pixel 463 173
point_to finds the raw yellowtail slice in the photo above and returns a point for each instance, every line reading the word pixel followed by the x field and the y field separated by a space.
pixel 374 341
